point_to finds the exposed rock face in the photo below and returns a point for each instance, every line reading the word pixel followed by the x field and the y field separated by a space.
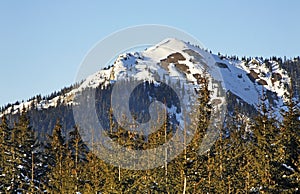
pixel 172 58
pixel 262 82
pixel 253 75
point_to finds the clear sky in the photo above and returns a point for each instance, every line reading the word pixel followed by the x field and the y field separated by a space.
pixel 42 43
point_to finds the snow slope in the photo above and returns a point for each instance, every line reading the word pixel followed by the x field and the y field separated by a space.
pixel 178 59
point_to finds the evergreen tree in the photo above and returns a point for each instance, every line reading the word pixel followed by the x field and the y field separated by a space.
pixel 289 178
pixel 76 156
pixel 4 154
pixel 19 147
pixel 265 136
pixel 94 174
pixel 241 174
pixel 56 151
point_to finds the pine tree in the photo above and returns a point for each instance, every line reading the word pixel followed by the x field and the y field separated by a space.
pixel 196 159
pixel 29 152
pixel 239 155
pixel 19 146
pixel 265 132
pixel 4 154
pixel 56 151
pixel 10 161
pixel 77 152
pixel 94 174
pixel 69 181
pixel 289 178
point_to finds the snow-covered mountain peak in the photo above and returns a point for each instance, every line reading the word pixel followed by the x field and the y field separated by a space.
pixel 183 61
pixel 169 57
pixel 171 43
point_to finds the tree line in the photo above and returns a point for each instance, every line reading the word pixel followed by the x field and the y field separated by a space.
pixel 257 156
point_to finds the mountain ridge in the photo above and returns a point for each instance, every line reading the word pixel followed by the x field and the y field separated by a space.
pixel 248 80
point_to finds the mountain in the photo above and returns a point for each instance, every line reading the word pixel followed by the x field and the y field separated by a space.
pixel 171 118
pixel 243 82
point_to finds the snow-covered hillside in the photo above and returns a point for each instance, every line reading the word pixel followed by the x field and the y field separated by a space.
pixel 250 81
pixel 183 61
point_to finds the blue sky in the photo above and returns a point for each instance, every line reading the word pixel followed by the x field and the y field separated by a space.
pixel 42 43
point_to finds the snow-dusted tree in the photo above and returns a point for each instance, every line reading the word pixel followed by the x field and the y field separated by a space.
pixel 5 178
pixel 19 147
pixel 289 176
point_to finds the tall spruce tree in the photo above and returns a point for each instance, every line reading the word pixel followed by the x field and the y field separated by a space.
pixel 56 151
pixel 18 165
pixel 265 136
pixel 289 178
pixel 5 132
pixel 76 156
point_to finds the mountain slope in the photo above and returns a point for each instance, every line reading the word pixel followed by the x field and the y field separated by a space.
pixel 175 58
